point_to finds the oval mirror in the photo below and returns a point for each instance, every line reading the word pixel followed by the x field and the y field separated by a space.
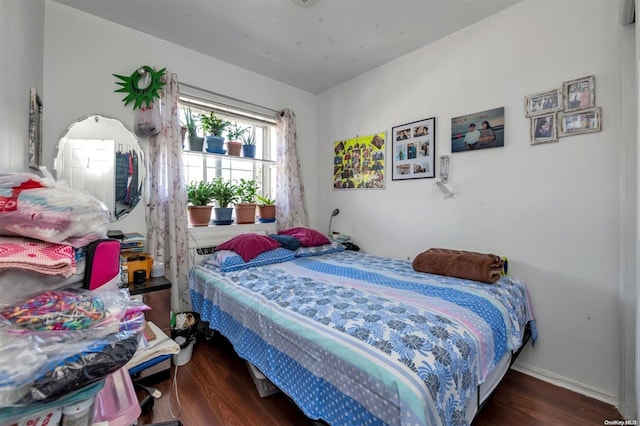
pixel 100 155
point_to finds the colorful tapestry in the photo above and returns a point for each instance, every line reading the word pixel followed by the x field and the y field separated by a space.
pixel 359 163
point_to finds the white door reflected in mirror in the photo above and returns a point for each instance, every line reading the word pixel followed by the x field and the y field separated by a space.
pixel 100 155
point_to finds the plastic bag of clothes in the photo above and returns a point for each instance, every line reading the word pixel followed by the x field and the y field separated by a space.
pixel 35 369
pixel 40 208
pixel 90 313
pixel 58 341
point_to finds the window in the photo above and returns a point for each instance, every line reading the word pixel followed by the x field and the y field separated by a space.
pixel 208 166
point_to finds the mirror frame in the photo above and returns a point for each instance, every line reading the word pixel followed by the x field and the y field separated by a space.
pixel 142 166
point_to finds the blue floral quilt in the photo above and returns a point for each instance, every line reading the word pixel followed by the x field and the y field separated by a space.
pixel 357 339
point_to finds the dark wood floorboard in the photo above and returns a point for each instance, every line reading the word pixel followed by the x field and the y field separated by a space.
pixel 215 388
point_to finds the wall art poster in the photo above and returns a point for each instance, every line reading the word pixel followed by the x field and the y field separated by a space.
pixel 359 163
pixel 479 130
pixel 414 150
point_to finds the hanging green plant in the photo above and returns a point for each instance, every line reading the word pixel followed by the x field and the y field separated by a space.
pixel 147 93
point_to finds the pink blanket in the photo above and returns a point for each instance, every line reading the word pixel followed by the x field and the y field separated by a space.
pixel 35 255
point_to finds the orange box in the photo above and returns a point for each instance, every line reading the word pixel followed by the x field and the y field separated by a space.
pixel 139 261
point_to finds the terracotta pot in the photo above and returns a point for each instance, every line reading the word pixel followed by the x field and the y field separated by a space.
pixel 200 215
pixel 245 213
pixel 183 133
pixel 234 148
pixel 267 212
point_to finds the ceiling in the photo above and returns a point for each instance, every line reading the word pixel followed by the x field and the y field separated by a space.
pixel 313 45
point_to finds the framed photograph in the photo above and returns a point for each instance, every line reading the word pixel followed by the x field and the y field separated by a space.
pixel 543 129
pixel 414 150
pixel 543 103
pixel 359 163
pixel 35 130
pixel 479 130
pixel 579 93
pixel 583 121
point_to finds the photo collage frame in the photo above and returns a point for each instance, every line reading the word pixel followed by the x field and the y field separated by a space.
pixel 564 112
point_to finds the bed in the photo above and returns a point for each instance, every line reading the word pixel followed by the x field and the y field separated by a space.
pixel 354 338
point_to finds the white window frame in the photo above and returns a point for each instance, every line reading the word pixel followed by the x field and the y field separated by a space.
pixel 261 169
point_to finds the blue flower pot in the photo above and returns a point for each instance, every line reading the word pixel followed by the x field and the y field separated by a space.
pixel 215 144
pixel 249 151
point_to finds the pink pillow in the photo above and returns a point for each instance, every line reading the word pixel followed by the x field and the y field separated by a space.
pixel 249 245
pixel 308 237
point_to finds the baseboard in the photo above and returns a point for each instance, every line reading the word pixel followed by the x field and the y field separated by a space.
pixel 567 383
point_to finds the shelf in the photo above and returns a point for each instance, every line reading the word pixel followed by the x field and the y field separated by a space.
pixel 152 284
pixel 229 157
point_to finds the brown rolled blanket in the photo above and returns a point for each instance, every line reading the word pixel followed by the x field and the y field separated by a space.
pixel 460 264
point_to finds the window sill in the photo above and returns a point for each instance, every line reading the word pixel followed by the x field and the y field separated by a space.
pixel 212 235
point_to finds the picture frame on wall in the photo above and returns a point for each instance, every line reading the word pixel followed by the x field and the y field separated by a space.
pixel 544 129
pixel 543 103
pixel 414 150
pixel 360 162
pixel 480 130
pixel 35 130
pixel 579 94
pixel 578 122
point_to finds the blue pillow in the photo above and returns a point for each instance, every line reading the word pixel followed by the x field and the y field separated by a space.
pixel 228 260
pixel 287 241
pixel 319 250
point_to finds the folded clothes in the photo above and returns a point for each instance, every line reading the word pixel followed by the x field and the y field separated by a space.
pixel 35 207
pixel 460 264
pixel 39 256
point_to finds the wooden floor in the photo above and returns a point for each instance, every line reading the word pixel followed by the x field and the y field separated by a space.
pixel 215 388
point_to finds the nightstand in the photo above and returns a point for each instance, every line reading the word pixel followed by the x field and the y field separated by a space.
pixel 156 293
pixel 152 284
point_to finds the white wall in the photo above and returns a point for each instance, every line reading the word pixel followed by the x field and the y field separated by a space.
pixel 629 183
pixel 21 63
pixel 554 209
pixel 82 52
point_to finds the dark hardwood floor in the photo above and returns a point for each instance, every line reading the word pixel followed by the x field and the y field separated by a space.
pixel 215 388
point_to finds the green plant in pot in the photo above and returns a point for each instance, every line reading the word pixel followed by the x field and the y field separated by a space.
pixel 249 144
pixel 199 196
pixel 246 191
pixel 224 194
pixel 213 127
pixel 266 209
pixel 234 134
pixel 195 142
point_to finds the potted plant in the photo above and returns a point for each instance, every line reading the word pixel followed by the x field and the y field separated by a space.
pixel 224 194
pixel 213 127
pixel 245 206
pixel 266 209
pixel 234 134
pixel 195 141
pixel 199 196
pixel 249 144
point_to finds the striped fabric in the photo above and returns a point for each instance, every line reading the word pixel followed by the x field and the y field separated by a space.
pixel 359 339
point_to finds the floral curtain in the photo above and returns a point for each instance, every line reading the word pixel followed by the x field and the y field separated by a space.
pixel 291 209
pixel 167 198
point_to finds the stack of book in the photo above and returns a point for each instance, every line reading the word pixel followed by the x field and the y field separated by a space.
pixel 131 243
